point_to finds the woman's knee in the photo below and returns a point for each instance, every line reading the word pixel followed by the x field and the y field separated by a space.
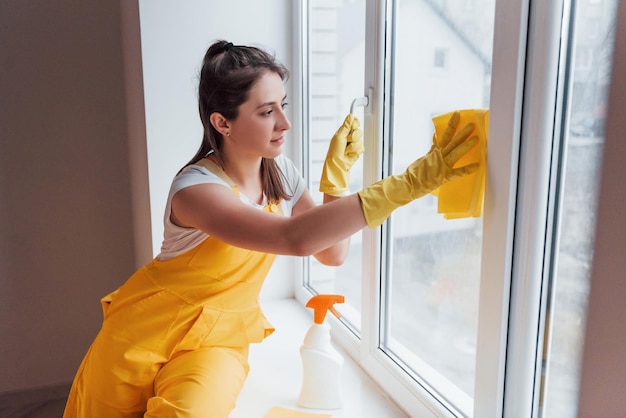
pixel 204 382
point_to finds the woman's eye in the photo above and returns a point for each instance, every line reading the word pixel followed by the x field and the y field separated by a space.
pixel 270 111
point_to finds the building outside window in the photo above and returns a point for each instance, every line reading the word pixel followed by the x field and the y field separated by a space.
pixel 440 58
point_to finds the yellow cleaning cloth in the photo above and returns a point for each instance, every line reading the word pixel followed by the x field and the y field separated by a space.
pixel 280 412
pixel 463 197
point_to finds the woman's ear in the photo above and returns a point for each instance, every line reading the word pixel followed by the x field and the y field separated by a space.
pixel 220 123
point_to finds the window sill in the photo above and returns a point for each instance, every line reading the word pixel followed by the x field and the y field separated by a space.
pixel 276 372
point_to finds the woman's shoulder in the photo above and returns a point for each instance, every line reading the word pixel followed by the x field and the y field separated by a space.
pixel 282 160
pixel 292 179
pixel 195 174
pixel 287 166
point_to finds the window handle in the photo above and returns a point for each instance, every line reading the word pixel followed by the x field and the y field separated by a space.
pixel 359 101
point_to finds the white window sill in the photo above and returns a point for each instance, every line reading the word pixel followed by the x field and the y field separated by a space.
pixel 276 372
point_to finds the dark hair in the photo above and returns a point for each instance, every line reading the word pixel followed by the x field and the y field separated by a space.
pixel 227 75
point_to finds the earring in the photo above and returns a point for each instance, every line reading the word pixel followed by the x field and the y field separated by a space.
pixel 227 133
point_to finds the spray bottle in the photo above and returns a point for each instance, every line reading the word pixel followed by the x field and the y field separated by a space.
pixel 321 363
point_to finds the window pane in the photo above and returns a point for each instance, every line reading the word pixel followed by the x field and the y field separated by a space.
pixel 336 47
pixel 589 70
pixel 441 62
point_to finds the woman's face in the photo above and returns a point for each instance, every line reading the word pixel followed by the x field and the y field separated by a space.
pixel 261 124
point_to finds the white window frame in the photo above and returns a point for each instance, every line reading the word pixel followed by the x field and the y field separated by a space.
pixel 517 220
pixel 539 142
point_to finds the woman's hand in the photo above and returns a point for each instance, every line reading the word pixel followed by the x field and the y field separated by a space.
pixel 423 176
pixel 344 150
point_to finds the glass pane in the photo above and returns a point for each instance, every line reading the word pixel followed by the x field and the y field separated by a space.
pixel 336 55
pixel 441 62
pixel 589 70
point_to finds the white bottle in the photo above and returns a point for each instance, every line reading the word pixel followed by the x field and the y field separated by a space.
pixel 321 362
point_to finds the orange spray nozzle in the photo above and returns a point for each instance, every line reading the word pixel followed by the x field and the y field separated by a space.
pixel 323 303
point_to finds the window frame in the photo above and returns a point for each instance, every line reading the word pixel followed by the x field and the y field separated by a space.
pixel 539 158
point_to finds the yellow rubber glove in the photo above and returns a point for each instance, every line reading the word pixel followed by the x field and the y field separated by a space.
pixel 344 150
pixel 463 198
pixel 422 176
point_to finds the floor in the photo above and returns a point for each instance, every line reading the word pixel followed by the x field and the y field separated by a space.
pixel 274 380
pixel 39 403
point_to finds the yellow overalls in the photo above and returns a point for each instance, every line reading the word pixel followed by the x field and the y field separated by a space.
pixel 174 340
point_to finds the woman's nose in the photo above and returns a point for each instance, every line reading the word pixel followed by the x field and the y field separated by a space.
pixel 283 124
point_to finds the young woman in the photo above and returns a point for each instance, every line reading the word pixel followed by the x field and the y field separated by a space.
pixel 175 337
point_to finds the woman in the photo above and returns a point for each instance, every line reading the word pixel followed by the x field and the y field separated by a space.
pixel 175 337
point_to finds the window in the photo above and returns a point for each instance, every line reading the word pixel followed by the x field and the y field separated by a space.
pixel 439 311
pixel 431 277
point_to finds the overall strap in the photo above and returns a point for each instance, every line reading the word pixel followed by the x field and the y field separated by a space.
pixel 212 166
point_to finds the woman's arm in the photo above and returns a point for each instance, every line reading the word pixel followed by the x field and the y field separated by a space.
pixel 336 254
pixel 216 210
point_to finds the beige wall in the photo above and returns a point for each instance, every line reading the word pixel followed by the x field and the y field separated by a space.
pixel 604 370
pixel 75 217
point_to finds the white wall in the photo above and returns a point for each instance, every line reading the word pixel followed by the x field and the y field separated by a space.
pixel 174 37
